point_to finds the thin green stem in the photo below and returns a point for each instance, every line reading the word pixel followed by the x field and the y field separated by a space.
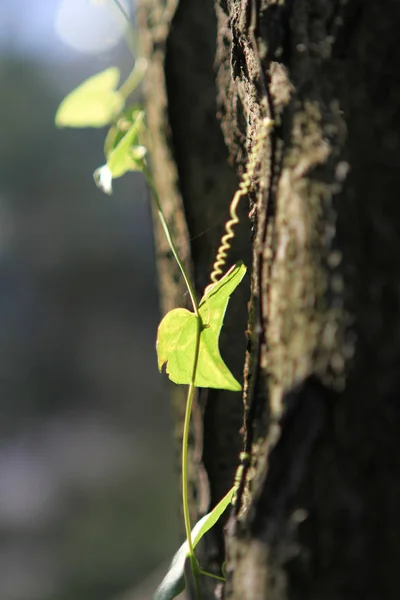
pixel 134 78
pixel 123 12
pixel 131 36
pixel 190 395
pixel 167 232
pixel 212 575
pixel 185 449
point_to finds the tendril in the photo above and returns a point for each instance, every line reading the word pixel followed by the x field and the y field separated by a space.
pixel 244 188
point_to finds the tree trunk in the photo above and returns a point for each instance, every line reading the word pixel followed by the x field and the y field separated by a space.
pixel 317 513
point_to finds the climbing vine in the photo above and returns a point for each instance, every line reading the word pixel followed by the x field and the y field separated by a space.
pixel 187 342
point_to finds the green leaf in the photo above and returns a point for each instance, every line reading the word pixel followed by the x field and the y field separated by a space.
pixel 209 520
pixel 174 581
pixel 94 103
pixel 124 154
pixel 127 154
pixel 176 338
pixel 121 127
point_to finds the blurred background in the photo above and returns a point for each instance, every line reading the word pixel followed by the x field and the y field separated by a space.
pixel 88 480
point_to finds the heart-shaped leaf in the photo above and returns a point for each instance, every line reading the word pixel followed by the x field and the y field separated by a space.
pixel 94 103
pixel 174 581
pixel 176 338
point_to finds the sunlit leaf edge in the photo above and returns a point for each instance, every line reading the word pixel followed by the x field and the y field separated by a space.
pixel 212 372
pixel 93 103
pixel 174 580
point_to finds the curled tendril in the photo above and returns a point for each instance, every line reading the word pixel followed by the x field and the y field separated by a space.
pixel 244 188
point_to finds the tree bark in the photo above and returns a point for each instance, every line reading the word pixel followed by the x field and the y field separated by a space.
pixel 317 509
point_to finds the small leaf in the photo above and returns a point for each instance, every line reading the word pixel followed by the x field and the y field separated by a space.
pixel 209 520
pixel 176 338
pixel 121 127
pixel 174 581
pixel 114 135
pixel 126 155
pixel 121 158
pixel 94 103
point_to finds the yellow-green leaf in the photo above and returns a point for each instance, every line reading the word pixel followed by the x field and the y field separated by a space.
pixel 94 103
pixel 176 338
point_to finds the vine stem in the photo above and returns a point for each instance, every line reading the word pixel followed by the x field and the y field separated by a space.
pixel 131 36
pixel 185 455
pixel 168 235
pixel 124 13
pixel 190 395
pixel 134 78
pixel 125 91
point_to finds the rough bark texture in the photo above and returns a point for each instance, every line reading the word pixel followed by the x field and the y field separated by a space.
pixel 317 510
